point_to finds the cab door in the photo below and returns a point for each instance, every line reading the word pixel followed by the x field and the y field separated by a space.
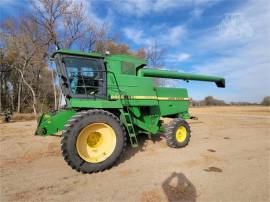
pixel 82 77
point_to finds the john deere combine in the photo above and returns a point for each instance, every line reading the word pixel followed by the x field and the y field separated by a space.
pixel 112 98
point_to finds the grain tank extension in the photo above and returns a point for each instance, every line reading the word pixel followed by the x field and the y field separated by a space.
pixel 110 100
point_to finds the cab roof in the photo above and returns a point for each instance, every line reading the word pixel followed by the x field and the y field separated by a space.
pixel 78 53
pixel 121 57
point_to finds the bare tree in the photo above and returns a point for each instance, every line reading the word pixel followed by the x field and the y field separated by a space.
pixel 95 38
pixel 141 53
pixel 27 42
pixel 46 14
pixel 74 21
pixel 266 101
pixel 155 57
pixel 61 22
pixel 210 100
pixel 30 88
pixel 65 23
pixel 24 42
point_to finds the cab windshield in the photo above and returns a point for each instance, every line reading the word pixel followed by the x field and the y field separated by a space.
pixel 85 76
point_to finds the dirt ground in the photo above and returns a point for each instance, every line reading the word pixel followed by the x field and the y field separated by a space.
pixel 227 160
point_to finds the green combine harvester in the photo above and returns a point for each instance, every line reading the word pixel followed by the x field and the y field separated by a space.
pixel 112 98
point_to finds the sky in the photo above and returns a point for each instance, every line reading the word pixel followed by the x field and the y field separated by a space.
pixel 227 38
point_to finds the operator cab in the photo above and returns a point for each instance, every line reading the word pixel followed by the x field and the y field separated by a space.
pixel 81 76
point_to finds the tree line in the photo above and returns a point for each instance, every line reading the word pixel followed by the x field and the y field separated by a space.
pixel 211 101
pixel 27 81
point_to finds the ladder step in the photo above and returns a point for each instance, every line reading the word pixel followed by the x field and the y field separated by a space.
pixel 130 128
pixel 132 135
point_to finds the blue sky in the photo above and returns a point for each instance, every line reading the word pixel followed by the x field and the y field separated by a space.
pixel 229 38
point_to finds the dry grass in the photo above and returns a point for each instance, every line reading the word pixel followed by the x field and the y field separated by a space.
pixel 23 117
pixel 244 110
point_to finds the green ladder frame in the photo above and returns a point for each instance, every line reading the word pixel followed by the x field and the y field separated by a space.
pixel 127 119
pixel 125 116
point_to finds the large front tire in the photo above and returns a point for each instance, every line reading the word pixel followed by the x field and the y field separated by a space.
pixel 93 141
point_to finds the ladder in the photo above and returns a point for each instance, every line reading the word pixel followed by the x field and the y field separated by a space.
pixel 125 115
pixel 129 125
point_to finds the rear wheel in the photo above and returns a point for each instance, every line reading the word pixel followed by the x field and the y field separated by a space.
pixel 178 133
pixel 93 140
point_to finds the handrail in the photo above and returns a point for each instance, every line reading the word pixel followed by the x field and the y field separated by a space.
pixel 119 91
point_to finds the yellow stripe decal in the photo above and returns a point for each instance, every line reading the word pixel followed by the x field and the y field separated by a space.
pixel 115 97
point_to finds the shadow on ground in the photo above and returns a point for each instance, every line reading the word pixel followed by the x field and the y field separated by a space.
pixel 142 141
pixel 178 188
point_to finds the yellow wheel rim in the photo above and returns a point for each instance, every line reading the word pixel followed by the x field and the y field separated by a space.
pixel 181 134
pixel 96 142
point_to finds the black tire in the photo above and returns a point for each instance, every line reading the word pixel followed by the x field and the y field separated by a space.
pixel 72 130
pixel 7 119
pixel 171 133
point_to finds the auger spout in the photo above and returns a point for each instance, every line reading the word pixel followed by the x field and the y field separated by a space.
pixel 147 72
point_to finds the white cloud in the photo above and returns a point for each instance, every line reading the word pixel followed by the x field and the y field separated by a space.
pixel 171 37
pixel 235 26
pixel 93 17
pixel 197 12
pixel 180 57
pixel 205 2
pixel 143 7
pixel 199 7
pixel 243 39
pixel 174 35
pixel 137 36
pixel 161 5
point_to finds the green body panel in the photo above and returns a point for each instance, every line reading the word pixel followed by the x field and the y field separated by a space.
pixel 148 124
pixel 52 122
pixel 117 63
pixel 93 104
pixel 131 85
pixel 130 93
pixel 171 107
